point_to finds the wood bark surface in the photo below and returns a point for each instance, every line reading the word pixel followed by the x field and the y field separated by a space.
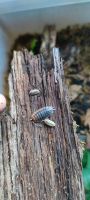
pixel 38 162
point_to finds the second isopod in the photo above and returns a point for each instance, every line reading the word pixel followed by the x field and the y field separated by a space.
pixel 49 122
pixel 34 92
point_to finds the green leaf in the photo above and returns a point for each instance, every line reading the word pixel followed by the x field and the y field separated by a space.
pixel 85 158
pixel 33 44
pixel 87 195
pixel 86 178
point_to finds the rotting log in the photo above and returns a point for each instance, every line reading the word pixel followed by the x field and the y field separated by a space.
pixel 38 162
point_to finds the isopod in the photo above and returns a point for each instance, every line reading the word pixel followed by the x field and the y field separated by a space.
pixel 49 122
pixel 34 92
pixel 42 113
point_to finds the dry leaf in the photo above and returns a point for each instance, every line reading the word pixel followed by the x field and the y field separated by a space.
pixel 74 91
pixel 88 141
pixel 87 118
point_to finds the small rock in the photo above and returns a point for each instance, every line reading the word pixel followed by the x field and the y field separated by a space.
pixel 2 103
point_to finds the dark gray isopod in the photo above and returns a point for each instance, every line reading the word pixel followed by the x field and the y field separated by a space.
pixel 42 113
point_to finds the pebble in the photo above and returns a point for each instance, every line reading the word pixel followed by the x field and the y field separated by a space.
pixel 2 103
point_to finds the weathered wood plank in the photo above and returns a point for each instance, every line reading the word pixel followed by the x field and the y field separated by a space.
pixel 38 162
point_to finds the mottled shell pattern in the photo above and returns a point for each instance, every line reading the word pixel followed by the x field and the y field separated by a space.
pixel 34 92
pixel 49 122
pixel 42 113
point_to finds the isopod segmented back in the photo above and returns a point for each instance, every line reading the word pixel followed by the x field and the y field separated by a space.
pixel 42 113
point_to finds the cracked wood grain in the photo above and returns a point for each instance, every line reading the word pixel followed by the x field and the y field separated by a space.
pixel 38 162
